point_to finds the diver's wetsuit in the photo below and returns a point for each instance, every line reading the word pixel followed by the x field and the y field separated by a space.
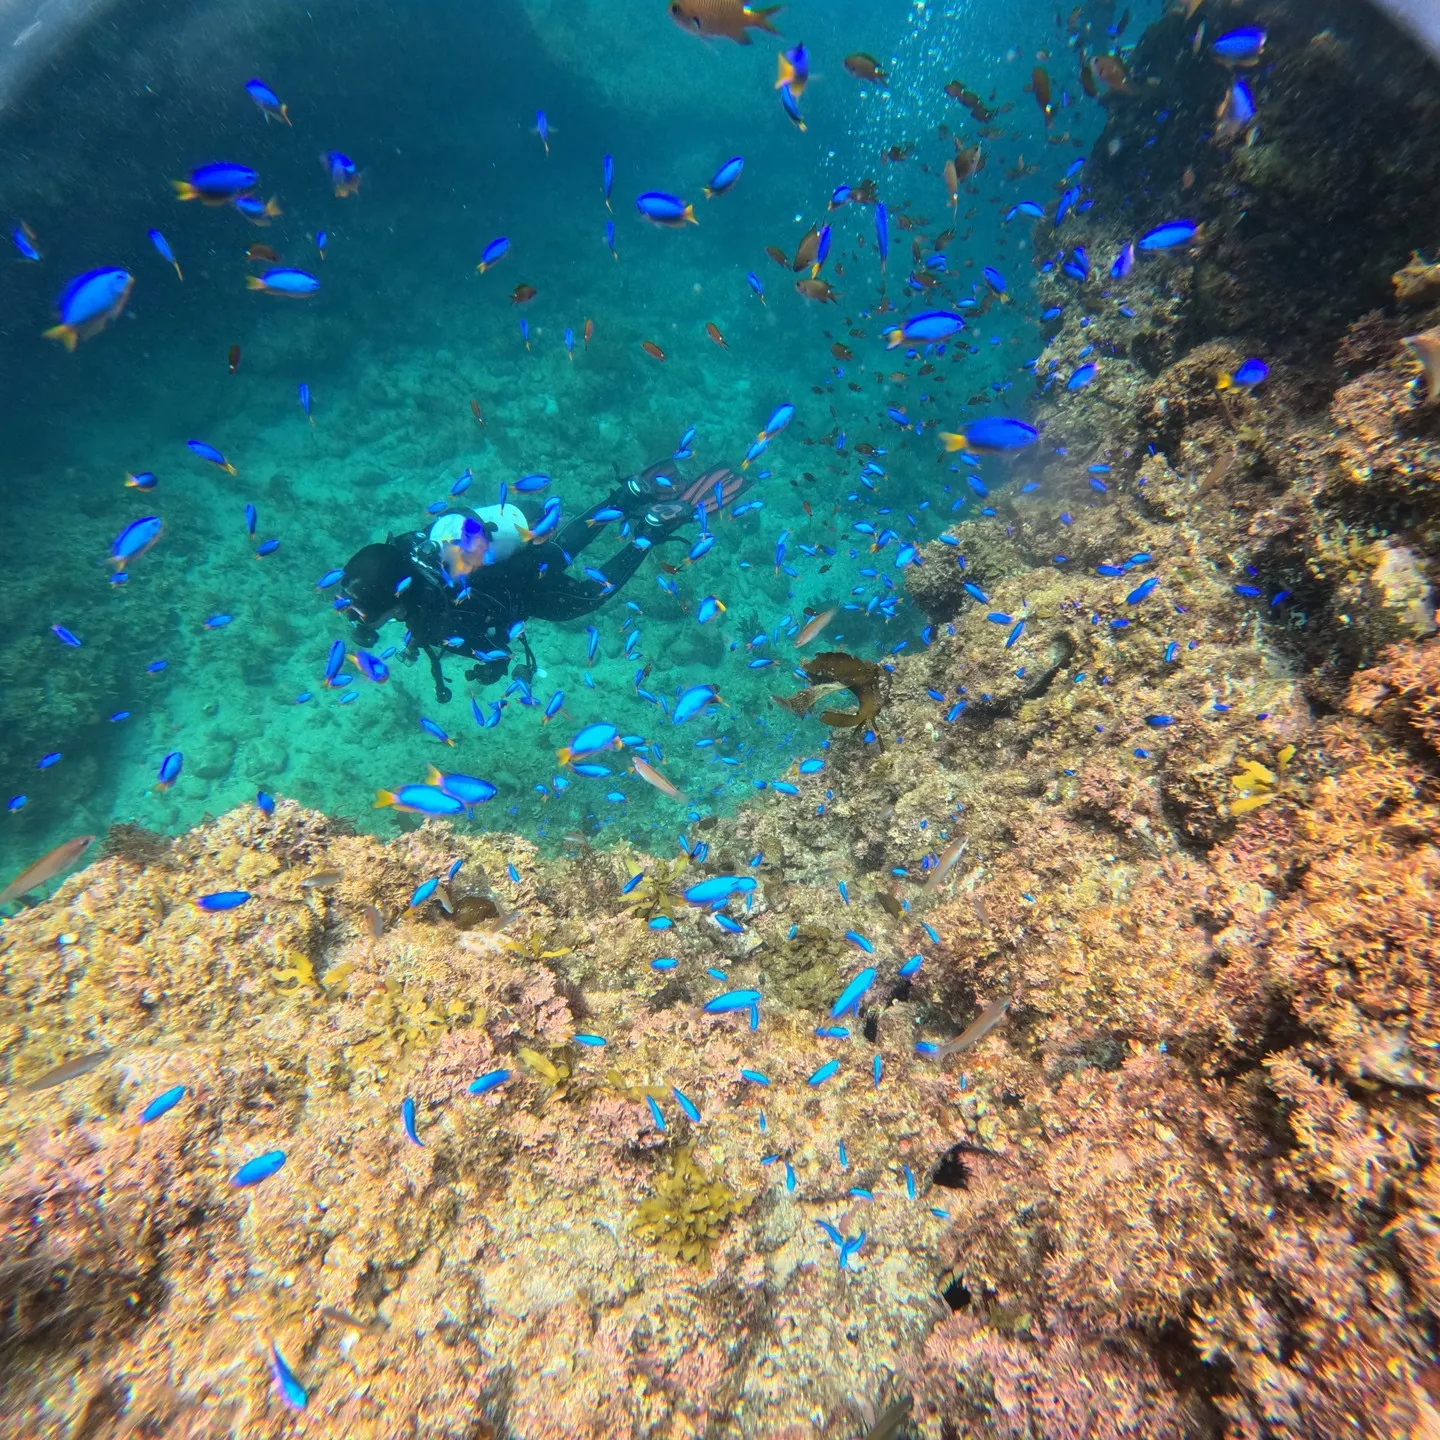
pixel 476 619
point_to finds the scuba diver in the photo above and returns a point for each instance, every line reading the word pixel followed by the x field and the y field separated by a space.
pixel 467 584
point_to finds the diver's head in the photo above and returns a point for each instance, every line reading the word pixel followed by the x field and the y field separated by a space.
pixel 372 583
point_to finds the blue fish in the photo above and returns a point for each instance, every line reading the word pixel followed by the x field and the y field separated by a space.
pixel 493 254
pixel 23 239
pixel 407 1119
pixel 66 637
pixel 823 1073
pixel 210 453
pixel 162 1104
pixel 267 101
pixel 992 435
pixel 89 303
pixel 691 1110
pixel 431 728
pixel 755 1077
pixel 490 1080
pixel 1144 588
pixel 655 1114
pixel 851 995
pixel 692 700
pixel 732 1000
pixel 667 210
pixel 724 177
pixel 291 1390
pixel 1168 236
pixel 219 183
pixel 221 900
pixel 925 328
pixel 262 1167
pixel 264 803
pixel 882 235
pixel 719 888
pixel 423 892
pixel 609 171
pixel 169 772
pixel 1082 377
pixel 162 248
pixel 1251 373
pixel 284 280
pixel 1239 47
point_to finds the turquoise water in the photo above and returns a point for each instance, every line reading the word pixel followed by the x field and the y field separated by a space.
pixel 437 107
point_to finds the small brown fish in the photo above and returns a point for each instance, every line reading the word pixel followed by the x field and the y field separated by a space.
pixel 1187 180
pixel 265 253
pixel 952 183
pixel 651 776
pixel 730 19
pixel 589 331
pixel 813 627
pixel 778 256
pixel 374 922
pixel 1087 78
pixel 865 67
pixel 945 864
pixel 1040 84
pixel 523 295
pixel 713 331
pixel 652 349
pixel 977 1030
pixel 808 249
pixel 475 411
pixel 842 352
pixel 233 359
pixel 67 1070
pixel 322 879
pixel 344 1317
pixel 968 162
pixel 1111 69
pixel 816 290
pixel 47 867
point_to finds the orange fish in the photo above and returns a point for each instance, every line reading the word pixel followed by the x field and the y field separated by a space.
pixel 523 295
pixel 732 19
pixel 47 867
pixel 475 411
pixel 652 776
pixel 713 331
pixel 652 349
pixel 816 290
pixel 264 253
pixel 589 331
pixel 234 358
pixel 813 627
pixel 865 67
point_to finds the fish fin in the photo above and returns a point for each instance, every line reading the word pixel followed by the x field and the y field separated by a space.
pixel 1225 383
pixel 65 334
pixel 284 114
pixel 784 71
pixel 184 190
pixel 384 798
pixel 564 755
pixel 953 442
pixel 434 777
pixel 254 282
pixel 759 17
pixel 690 215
